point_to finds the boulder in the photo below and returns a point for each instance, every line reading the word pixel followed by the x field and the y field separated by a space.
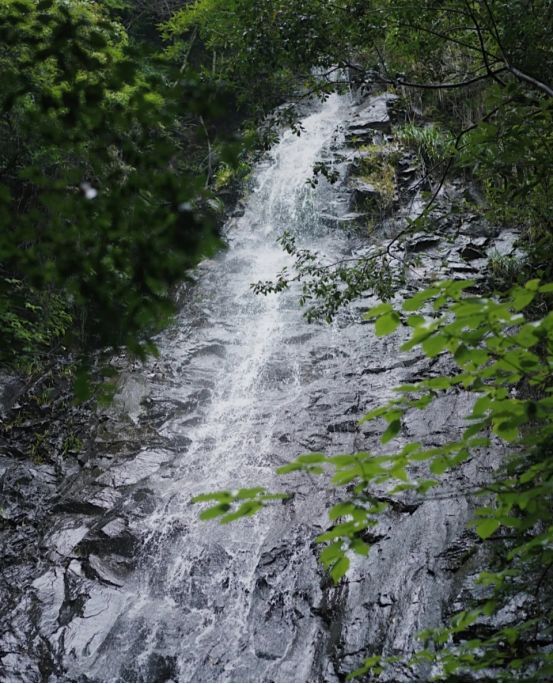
pixel 364 194
pixel 374 116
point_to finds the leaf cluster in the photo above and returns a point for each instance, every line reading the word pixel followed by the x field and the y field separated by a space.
pixel 231 506
pixel 101 212
pixel 326 287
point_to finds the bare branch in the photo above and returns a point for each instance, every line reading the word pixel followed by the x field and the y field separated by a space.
pixel 548 90
pixel 443 86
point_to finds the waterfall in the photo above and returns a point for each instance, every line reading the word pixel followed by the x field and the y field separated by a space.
pixel 198 607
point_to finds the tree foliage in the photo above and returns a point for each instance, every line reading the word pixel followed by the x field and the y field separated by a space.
pixel 260 47
pixel 101 211
pixel 482 69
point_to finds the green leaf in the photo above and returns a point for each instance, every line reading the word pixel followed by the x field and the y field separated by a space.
pixel 343 460
pixel 507 430
pixel 441 383
pixel 533 285
pixel 215 511
pixel 340 510
pixel 526 336
pixel 418 336
pixel 485 527
pixel 378 310
pixel 344 477
pixel 212 496
pixel 414 303
pixel 360 547
pixel 311 458
pixel 288 468
pixel 481 407
pixel 415 321
pixel 277 496
pixel 314 469
pixel 521 298
pixel 425 485
pixel 439 465
pixel 82 386
pixel 249 493
pixel 391 431
pixel 455 288
pixel 387 324
pixel 434 345
pixel 246 509
pixel 375 413
pixel 331 554
pixel 339 569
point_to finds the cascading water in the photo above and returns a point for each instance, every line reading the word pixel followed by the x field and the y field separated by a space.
pixel 199 606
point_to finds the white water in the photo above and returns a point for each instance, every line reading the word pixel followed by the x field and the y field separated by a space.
pixel 195 600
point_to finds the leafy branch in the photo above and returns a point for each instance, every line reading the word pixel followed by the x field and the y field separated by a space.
pixel 497 348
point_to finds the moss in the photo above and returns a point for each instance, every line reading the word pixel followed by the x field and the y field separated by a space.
pixel 227 175
pixel 378 168
pixel 73 444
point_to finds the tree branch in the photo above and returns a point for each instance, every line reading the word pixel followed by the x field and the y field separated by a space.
pixel 548 90
pixel 443 86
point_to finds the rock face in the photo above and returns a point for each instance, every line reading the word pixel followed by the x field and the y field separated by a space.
pixel 107 574
pixel 372 115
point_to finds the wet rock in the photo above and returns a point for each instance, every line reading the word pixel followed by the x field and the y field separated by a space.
pixel 19 667
pixel 459 552
pixel 64 537
pixel 385 600
pixel 505 244
pixel 373 116
pixel 480 242
pixel 135 587
pixel 144 501
pixel 472 251
pixel 76 595
pixel 88 500
pixel 477 227
pixel 103 572
pixel 49 590
pixel 115 528
pixel 343 426
pixel 214 349
pixel 420 242
pixel 300 339
pixel 161 668
pixel 160 410
pixel 10 389
pixel 364 194
pixel 455 266
pixel 139 468
pixel 351 219
pixel 76 567
pixel 408 171
pixel 112 538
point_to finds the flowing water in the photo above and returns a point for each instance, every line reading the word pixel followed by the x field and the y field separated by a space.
pixel 201 606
